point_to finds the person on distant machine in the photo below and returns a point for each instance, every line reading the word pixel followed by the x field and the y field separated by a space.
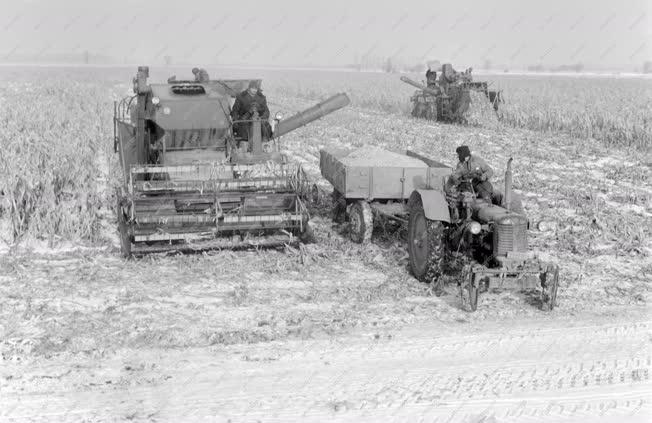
pixel 200 75
pixel 246 104
pixel 477 170
pixel 431 78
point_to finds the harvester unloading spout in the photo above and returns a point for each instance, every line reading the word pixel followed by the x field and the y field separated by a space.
pixel 315 112
pixel 191 183
pixel 422 87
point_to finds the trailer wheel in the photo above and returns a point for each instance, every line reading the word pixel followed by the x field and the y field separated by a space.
pixel 549 286
pixel 425 247
pixel 361 222
pixel 125 237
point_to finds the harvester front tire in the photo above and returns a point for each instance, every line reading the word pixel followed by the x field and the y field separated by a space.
pixel 426 247
pixel 361 222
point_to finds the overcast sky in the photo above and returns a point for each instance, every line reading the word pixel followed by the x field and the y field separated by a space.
pixel 515 33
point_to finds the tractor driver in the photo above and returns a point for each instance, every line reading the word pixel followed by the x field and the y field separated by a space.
pixel 246 104
pixel 477 170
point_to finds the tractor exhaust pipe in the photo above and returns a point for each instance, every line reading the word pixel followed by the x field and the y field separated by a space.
pixel 507 200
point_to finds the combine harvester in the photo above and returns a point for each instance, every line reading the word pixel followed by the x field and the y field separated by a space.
pixel 448 99
pixel 190 184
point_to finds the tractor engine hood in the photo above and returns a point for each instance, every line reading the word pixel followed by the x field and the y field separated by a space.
pixel 486 213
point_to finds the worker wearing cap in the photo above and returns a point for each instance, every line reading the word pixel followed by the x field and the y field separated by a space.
pixel 246 103
pixel 477 170
pixel 200 75
pixel 431 78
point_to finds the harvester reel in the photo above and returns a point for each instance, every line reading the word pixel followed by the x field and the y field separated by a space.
pixel 549 286
pixel 426 247
pixel 361 221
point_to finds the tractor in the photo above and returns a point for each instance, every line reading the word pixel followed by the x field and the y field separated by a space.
pixel 480 240
pixel 483 242
pixel 191 183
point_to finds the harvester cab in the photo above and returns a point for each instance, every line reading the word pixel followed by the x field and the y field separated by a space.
pixel 190 183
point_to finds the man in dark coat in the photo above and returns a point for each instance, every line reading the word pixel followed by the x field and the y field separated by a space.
pixel 477 170
pixel 246 104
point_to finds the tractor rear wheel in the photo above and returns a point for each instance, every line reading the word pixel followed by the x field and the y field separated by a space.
pixel 361 221
pixel 426 247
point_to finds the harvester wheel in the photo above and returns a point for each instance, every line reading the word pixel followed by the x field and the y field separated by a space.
pixel 361 221
pixel 125 238
pixel 426 246
pixel 549 286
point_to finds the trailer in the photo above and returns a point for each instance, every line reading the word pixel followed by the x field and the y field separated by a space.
pixel 362 192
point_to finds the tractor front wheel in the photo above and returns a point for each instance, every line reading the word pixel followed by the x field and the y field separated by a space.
pixel 361 221
pixel 425 247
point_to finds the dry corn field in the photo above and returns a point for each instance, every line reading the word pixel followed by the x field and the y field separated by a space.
pixel 331 330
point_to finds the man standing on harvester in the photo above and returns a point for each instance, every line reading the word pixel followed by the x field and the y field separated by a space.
pixel 477 170
pixel 200 75
pixel 247 104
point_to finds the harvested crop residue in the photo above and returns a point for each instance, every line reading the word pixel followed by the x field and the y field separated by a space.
pixel 370 155
pixel 481 111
